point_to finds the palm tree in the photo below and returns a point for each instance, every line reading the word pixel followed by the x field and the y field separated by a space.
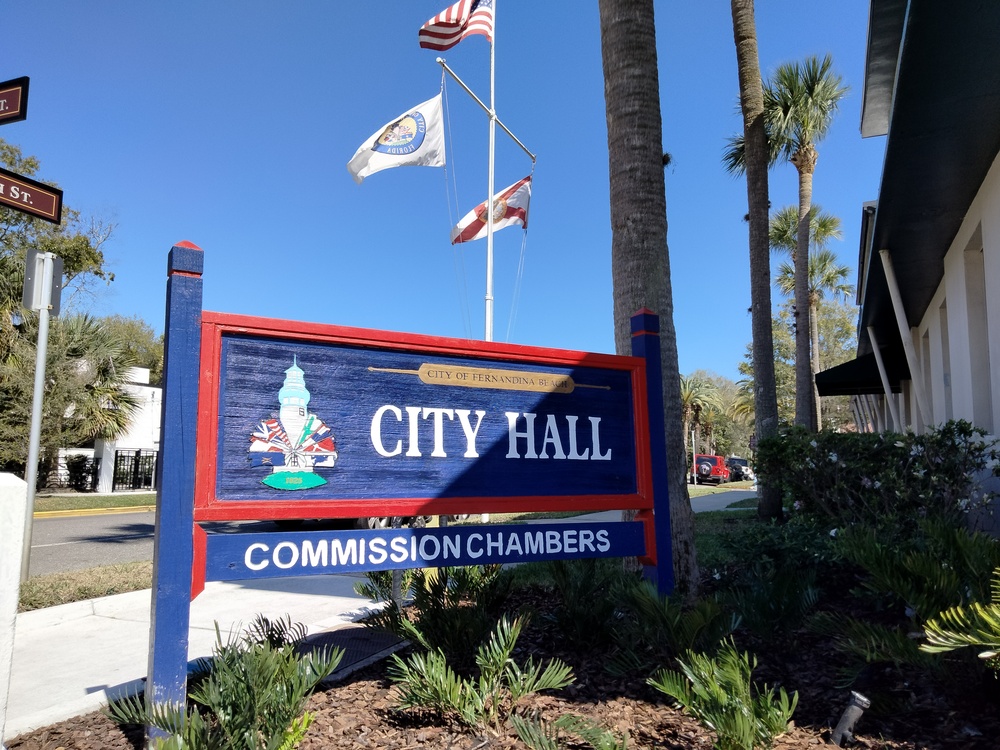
pixel 783 234
pixel 640 262
pixel 800 102
pixel 85 395
pixel 697 395
pixel 826 274
pixel 754 161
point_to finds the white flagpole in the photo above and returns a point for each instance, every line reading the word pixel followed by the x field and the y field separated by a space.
pixel 489 193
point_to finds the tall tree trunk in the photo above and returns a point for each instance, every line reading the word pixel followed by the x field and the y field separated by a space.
pixel 640 263
pixel 756 163
pixel 814 360
pixel 805 414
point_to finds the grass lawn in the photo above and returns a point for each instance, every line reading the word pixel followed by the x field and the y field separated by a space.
pixel 61 588
pixel 87 502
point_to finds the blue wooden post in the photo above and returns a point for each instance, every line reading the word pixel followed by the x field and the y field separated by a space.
pixel 646 344
pixel 173 542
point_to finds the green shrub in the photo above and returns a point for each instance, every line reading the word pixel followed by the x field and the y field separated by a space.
pixel 426 680
pixel 377 585
pixel 253 695
pixel 540 735
pixel 936 567
pixel 718 692
pixel 974 625
pixel 588 593
pixel 654 629
pixel 772 601
pixel 847 478
pixel 453 610
pixel 802 543
pixel 865 643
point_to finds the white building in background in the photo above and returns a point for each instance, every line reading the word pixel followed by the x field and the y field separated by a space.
pixel 134 453
pixel 929 266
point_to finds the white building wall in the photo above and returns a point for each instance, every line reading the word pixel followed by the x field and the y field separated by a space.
pixel 981 228
pixel 143 433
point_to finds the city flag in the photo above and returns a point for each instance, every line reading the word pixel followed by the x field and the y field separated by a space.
pixel 510 207
pixel 453 24
pixel 413 139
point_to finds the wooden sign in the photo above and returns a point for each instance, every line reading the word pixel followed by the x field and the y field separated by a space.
pixel 30 197
pixel 301 420
pixel 13 100
pixel 273 419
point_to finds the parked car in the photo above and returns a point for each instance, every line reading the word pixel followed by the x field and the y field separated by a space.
pixel 710 469
pixel 739 469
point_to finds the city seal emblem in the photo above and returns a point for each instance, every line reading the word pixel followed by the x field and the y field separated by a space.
pixel 294 442
pixel 402 137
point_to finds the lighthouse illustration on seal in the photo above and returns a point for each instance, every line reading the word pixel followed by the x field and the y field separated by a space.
pixel 295 443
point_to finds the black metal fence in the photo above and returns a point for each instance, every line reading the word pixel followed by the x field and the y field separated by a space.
pixel 134 470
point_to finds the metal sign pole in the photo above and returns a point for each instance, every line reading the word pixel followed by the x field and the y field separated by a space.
pixel 31 470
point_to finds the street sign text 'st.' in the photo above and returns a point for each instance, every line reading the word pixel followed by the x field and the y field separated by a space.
pixel 14 100
pixel 30 196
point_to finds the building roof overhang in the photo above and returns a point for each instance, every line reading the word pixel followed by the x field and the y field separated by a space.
pixel 932 83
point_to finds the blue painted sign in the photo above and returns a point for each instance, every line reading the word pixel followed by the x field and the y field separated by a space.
pixel 325 421
pixel 307 421
pixel 270 555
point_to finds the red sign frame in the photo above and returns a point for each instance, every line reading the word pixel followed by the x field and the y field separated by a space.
pixel 208 507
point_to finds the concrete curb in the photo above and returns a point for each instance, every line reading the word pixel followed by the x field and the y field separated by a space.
pixel 93 511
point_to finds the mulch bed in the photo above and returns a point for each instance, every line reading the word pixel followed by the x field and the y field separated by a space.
pixel 358 712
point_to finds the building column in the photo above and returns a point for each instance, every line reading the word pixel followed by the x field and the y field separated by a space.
pixel 916 373
pixel 105 450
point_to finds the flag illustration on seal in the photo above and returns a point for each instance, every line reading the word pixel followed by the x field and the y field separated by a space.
pixel 295 442
pixel 415 138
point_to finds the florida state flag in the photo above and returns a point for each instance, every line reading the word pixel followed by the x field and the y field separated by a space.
pixel 510 206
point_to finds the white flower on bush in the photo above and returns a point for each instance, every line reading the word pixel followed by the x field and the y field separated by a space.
pixel 813 443
pixel 898 444
pixel 833 533
pixel 833 458
pixel 797 505
pixel 866 483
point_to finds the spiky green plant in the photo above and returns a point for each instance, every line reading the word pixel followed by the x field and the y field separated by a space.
pixel 251 699
pixel 718 692
pixel 941 566
pixel 377 585
pixel 864 643
pixel 773 601
pixel 542 735
pixel 453 611
pixel 588 593
pixel 426 680
pixel 655 629
pixel 973 625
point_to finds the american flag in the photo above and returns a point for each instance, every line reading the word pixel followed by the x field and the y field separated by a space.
pixel 453 24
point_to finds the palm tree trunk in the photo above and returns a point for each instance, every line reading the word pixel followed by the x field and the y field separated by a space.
pixel 814 361
pixel 756 162
pixel 805 162
pixel 640 263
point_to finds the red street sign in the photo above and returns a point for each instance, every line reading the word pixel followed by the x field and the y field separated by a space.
pixel 30 197
pixel 13 100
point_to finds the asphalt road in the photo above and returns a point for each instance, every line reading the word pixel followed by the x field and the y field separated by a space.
pixel 65 543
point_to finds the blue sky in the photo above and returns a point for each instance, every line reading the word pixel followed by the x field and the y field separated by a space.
pixel 229 124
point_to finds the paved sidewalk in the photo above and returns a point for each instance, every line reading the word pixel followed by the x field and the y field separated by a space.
pixel 74 658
